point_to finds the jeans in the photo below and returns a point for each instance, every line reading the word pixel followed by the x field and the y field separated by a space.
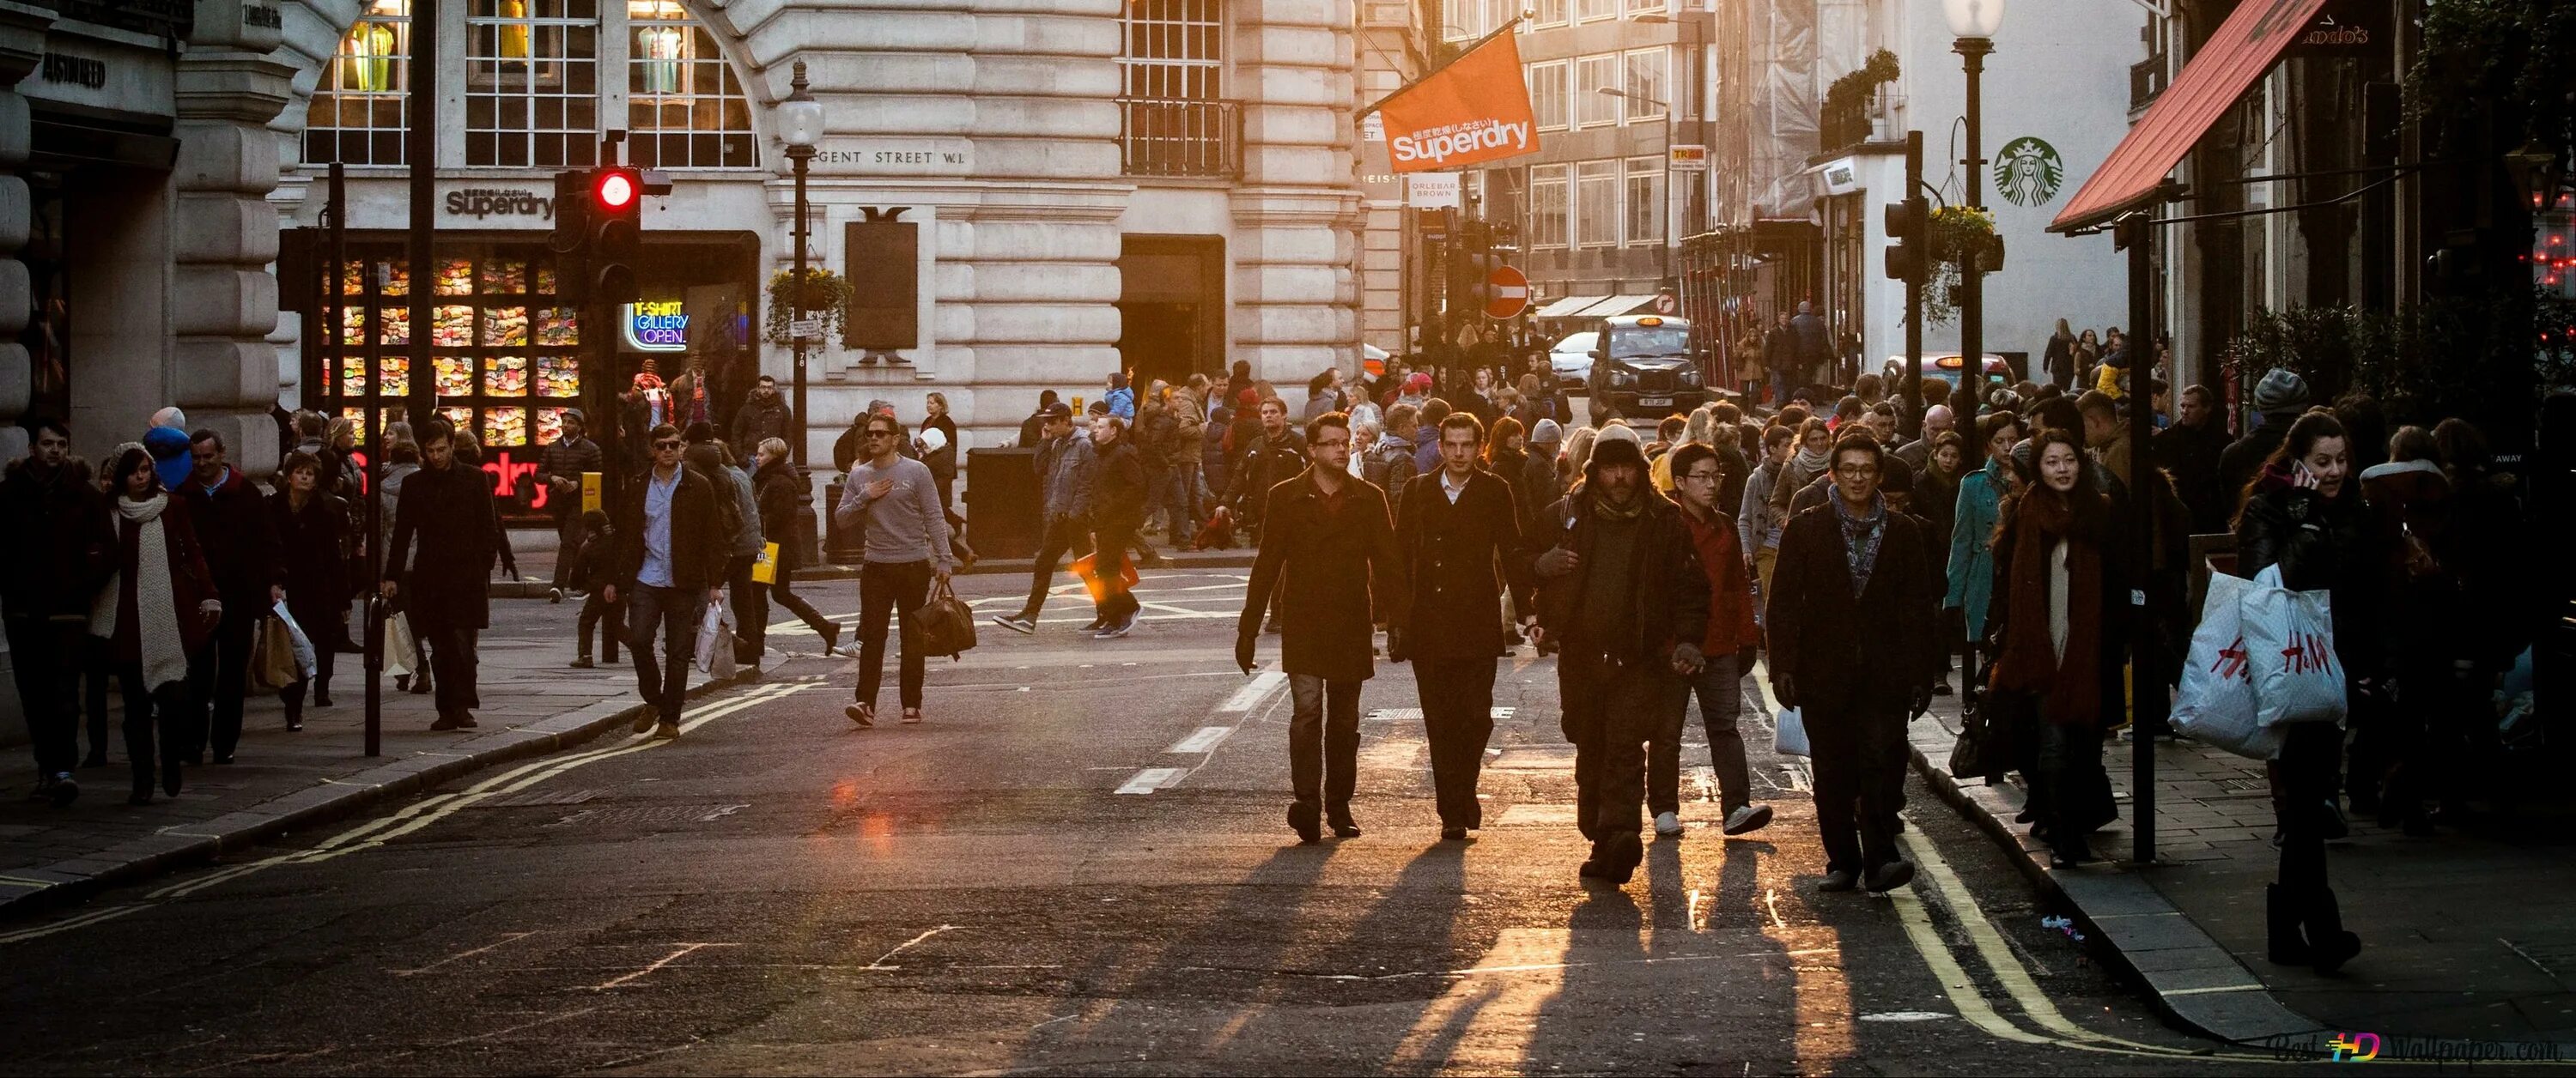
pixel 1182 498
pixel 1324 742
pixel 1109 549
pixel 595 609
pixel 797 605
pixel 44 657
pixel 1608 708
pixel 1860 778
pixel 1458 718
pixel 750 609
pixel 219 677
pixel 1721 701
pixel 1064 535
pixel 673 614
pixel 896 588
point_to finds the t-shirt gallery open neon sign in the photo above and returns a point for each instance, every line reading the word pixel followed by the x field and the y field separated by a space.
pixel 654 326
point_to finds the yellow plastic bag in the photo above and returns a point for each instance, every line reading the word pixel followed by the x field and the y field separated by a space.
pixel 765 570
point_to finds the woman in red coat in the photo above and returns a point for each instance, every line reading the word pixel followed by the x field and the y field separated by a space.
pixel 159 608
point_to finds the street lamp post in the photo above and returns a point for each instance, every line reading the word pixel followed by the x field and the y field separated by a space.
pixel 1973 23
pixel 800 126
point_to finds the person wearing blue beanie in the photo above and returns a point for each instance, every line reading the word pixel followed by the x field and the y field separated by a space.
pixel 171 459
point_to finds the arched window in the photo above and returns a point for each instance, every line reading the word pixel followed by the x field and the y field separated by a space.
pixel 684 107
pixel 360 107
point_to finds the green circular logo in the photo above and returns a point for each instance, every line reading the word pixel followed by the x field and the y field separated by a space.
pixel 2028 171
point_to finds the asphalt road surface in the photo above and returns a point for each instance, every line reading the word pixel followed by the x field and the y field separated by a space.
pixel 1079 864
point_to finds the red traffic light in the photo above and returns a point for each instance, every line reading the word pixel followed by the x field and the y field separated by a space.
pixel 614 190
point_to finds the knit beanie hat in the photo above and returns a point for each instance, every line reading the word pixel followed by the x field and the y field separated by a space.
pixel 1609 452
pixel 1619 432
pixel 1548 432
pixel 171 459
pixel 2280 391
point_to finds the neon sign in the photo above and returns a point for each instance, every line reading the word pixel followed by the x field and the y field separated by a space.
pixel 654 326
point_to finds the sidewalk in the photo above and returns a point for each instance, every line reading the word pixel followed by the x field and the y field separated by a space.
pixel 2468 940
pixel 284 782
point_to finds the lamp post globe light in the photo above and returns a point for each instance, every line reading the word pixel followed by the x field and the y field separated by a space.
pixel 1973 23
pixel 800 126
pixel 1973 18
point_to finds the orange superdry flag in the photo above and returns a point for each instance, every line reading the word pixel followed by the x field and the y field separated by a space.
pixel 1475 109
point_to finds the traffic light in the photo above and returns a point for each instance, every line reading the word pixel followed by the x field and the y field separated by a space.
pixel 616 208
pixel 570 241
pixel 1909 258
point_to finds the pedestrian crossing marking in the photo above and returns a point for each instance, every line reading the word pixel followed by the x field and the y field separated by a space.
pixel 1205 739
pixel 1414 714
pixel 1151 779
pixel 1254 691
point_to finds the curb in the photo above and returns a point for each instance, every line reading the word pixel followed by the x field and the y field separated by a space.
pixel 2190 979
pixel 70 881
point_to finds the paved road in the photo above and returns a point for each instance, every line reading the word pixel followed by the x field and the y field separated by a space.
pixel 1077 865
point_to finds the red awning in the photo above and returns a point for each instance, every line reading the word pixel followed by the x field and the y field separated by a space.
pixel 2239 53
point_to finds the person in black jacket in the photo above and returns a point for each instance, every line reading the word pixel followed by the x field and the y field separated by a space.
pixel 1853 647
pixel 312 534
pixel 559 471
pixel 54 556
pixel 672 549
pixel 598 556
pixel 231 517
pixel 1117 507
pixel 1261 462
pixel 2190 451
pixel 1453 527
pixel 447 507
pixel 778 490
pixel 1623 600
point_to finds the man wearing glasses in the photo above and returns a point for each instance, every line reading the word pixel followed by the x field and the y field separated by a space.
pixel 671 556
pixel 1855 648
pixel 894 502
pixel 1697 477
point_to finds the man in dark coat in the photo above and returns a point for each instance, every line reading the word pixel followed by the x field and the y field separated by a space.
pixel 1118 508
pixel 1854 647
pixel 764 415
pixel 2190 451
pixel 1453 527
pixel 447 507
pixel 1329 555
pixel 559 472
pixel 672 551
pixel 1812 345
pixel 232 522
pixel 1624 602
pixel 1274 457
pixel 55 553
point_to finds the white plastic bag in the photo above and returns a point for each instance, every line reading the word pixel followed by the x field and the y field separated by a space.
pixel 2216 703
pixel 402 648
pixel 2289 642
pixel 715 640
pixel 305 663
pixel 1789 734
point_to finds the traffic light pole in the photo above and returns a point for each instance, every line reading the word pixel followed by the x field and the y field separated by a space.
pixel 1914 282
pixel 420 151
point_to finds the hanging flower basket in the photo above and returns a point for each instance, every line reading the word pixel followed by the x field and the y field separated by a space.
pixel 825 296
pixel 1954 231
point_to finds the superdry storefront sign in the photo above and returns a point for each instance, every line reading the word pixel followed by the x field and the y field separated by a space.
pixel 499 205
pixel 1476 109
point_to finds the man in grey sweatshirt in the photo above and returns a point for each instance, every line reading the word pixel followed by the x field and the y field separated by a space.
pixel 895 502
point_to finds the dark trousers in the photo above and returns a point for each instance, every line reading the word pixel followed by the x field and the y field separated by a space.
pixel 1860 781
pixel 453 659
pixel 219 676
pixel 568 537
pixel 1324 742
pixel 797 605
pixel 1458 717
pixel 321 630
pixel 671 614
pixel 171 709
pixel 2077 789
pixel 890 589
pixel 1109 545
pixel 1721 704
pixel 750 608
pixel 2304 785
pixel 44 656
pixel 1609 708
pixel 97 670
pixel 595 608
pixel 1063 536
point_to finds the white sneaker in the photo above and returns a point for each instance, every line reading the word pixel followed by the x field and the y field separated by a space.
pixel 1015 623
pixel 1667 824
pixel 1748 818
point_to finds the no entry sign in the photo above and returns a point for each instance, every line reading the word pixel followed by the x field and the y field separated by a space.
pixel 1510 292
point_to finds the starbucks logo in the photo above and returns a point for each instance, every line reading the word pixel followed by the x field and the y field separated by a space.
pixel 2029 171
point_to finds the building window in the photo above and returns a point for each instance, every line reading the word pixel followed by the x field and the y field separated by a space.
pixel 1592 74
pixel 532 83
pixel 1596 203
pixel 1547 95
pixel 1547 13
pixel 1547 206
pixel 1173 50
pixel 359 110
pixel 1645 201
pixel 1588 10
pixel 1648 84
pixel 1641 7
pixel 684 106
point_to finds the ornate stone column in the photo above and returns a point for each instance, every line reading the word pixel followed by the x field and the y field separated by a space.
pixel 224 235
pixel 22 44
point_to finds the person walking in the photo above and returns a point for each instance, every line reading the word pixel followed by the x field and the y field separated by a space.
pixel 1453 527
pixel 2191 450
pixel 55 552
pixel 598 562
pixel 1276 455
pixel 764 414
pixel 1329 564
pixel 1813 347
pixel 1535 486
pixel 1975 517
pixel 1763 515
pixel 778 489
pixel 1118 507
pixel 1852 647
pixel 560 467
pixel 312 536
pixel 1182 450
pixel 158 607
pixel 1066 468
pixel 448 509
pixel 1624 602
pixel 2279 399
pixel 672 550
pixel 893 499
pixel 232 524
pixel 2057 358
pixel 1728 646
pixel 740 512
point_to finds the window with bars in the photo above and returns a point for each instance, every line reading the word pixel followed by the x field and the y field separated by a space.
pixel 1596 204
pixel 1174 50
pixel 1649 84
pixel 684 106
pixel 1547 94
pixel 1645 201
pixel 532 83
pixel 359 109
pixel 1547 227
pixel 1592 74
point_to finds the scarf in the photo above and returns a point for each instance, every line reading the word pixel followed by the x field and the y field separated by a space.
pixel 1605 509
pixel 1861 536
pixel 1803 468
pixel 2070 682
pixel 164 649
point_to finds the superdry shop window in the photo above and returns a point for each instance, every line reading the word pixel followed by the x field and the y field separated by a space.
pixel 509 358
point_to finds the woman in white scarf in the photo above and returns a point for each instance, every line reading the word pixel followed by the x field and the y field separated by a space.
pixel 157 610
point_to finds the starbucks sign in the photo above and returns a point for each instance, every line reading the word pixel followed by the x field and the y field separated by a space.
pixel 2028 172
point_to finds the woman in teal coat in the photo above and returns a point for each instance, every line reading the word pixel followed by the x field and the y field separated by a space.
pixel 1972 536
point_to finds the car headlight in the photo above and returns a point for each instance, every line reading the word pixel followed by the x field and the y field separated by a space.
pixel 1690 377
pixel 1622 378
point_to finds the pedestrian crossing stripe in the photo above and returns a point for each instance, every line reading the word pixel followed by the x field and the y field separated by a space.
pixel 1414 714
pixel 1151 779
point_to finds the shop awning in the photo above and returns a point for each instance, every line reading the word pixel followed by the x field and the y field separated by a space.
pixel 1565 308
pixel 2244 47
pixel 1617 305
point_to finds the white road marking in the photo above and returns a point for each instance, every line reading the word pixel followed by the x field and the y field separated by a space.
pixel 1205 739
pixel 880 963
pixel 513 937
pixel 1255 691
pixel 1151 779
pixel 684 950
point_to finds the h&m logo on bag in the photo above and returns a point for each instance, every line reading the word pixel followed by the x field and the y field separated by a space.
pixel 2307 652
pixel 2231 663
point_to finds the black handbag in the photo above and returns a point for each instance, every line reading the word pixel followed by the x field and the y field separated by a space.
pixel 1968 755
pixel 944 625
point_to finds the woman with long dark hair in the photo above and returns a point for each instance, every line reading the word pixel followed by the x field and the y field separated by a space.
pixel 159 609
pixel 312 532
pixel 2303 512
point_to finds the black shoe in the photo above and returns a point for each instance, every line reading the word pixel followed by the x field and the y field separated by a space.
pixel 1592 870
pixel 62 790
pixel 1619 856
pixel 1941 688
pixel 321 697
pixel 445 722
pixel 1458 834
pixel 2283 942
pixel 402 682
pixel 1890 876
pixel 2329 946
pixel 170 776
pixel 1838 880
pixel 1306 820
pixel 2066 859
pixel 421 687
pixel 832 638
pixel 582 662
pixel 1344 828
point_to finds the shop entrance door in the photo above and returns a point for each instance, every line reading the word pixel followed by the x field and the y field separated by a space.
pixel 1171 307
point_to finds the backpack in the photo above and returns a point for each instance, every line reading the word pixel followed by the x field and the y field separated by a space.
pixel 1378 464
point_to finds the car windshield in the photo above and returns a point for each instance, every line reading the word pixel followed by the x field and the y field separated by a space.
pixel 1642 341
pixel 1577 342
